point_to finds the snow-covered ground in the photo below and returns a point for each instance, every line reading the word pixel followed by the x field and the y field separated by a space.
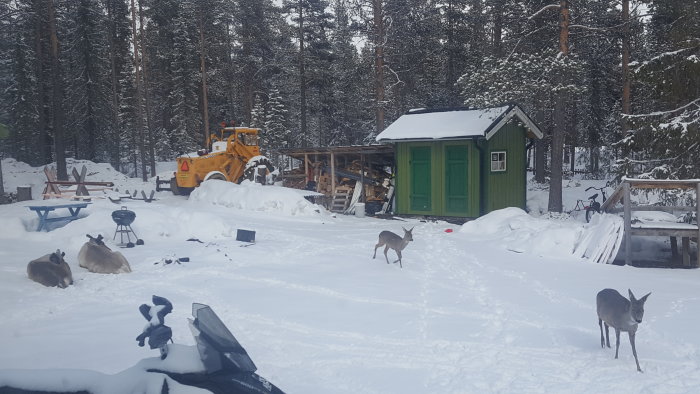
pixel 496 305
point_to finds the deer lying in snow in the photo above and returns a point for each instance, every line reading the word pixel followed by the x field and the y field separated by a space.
pixel 50 270
pixel 616 311
pixel 98 258
pixel 393 241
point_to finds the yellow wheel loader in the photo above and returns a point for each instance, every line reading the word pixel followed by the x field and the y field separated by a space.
pixel 234 156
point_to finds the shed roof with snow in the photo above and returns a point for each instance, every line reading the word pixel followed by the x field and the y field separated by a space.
pixel 459 123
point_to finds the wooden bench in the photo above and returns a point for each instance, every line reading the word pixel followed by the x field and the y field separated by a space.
pixel 54 187
pixel 43 212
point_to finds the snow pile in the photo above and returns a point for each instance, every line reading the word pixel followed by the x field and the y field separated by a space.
pixel 519 232
pixel 255 197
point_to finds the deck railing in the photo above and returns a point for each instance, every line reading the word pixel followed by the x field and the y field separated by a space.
pixel 686 231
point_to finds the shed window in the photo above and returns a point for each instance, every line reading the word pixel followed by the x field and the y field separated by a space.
pixel 498 161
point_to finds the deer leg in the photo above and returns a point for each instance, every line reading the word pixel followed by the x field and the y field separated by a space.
pixel 634 351
pixel 602 338
pixel 398 253
pixel 607 334
pixel 617 342
pixel 375 249
pixel 386 250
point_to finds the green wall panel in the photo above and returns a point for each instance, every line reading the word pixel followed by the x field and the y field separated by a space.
pixel 507 188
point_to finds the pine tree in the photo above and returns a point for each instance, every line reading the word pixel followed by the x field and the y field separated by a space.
pixel 87 80
pixel 665 131
pixel 276 132
pixel 344 121
pixel 312 23
pixel 118 38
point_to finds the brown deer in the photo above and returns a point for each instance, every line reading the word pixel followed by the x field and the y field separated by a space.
pixel 96 257
pixel 393 241
pixel 617 312
pixel 50 270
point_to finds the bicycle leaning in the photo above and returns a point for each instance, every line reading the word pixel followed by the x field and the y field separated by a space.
pixel 593 205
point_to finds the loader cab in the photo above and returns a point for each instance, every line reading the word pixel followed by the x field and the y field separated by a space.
pixel 244 135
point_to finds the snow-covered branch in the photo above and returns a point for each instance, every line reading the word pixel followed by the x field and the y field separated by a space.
pixel 695 102
pixel 601 29
pixel 545 8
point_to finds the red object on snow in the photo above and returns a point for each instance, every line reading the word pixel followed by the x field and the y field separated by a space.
pixel 449 230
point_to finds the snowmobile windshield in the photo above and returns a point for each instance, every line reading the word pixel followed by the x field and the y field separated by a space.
pixel 217 347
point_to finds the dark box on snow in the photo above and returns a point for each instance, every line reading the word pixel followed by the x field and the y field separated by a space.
pixel 245 236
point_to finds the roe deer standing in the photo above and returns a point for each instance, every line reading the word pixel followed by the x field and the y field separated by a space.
pixel 623 315
pixel 393 241
pixel 50 270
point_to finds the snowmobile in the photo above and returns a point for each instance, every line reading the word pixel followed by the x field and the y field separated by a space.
pixel 229 369
pixel 219 363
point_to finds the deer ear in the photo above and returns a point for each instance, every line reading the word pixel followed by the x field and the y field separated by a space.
pixel 644 299
pixel 631 295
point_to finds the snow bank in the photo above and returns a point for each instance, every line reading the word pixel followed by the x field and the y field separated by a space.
pixel 181 359
pixel 255 197
pixel 519 232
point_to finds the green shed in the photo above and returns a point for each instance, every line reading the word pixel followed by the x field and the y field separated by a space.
pixel 460 162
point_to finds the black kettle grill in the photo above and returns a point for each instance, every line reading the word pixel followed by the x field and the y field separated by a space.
pixel 123 218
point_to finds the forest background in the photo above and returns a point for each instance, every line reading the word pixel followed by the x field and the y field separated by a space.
pixel 615 85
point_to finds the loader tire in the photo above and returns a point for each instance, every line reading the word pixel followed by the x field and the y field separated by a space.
pixel 252 166
pixel 177 190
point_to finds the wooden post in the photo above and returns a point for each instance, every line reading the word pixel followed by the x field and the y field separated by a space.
pixel 332 173
pixel 674 248
pixel 628 224
pixel 697 220
pixel 306 167
pixel 363 198
pixel 685 251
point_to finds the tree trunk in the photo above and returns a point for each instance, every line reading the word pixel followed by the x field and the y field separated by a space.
pixel 302 76
pixel 139 95
pixel 115 158
pixel 451 72
pixel 44 139
pixel 57 98
pixel 555 181
pixel 146 92
pixel 498 28
pixel 379 62
pixel 626 84
pixel 203 69
pixel 2 184
pixel 573 137
pixel 540 146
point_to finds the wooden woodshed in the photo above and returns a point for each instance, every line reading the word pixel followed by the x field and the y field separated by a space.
pixel 460 162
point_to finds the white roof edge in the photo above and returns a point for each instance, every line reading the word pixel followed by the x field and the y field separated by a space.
pixel 515 111
pixel 385 141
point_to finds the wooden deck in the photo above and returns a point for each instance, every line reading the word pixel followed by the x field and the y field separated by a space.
pixel 685 231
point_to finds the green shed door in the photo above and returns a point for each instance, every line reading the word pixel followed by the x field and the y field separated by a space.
pixel 456 178
pixel 420 178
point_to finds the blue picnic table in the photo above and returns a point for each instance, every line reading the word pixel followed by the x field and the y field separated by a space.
pixel 43 212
